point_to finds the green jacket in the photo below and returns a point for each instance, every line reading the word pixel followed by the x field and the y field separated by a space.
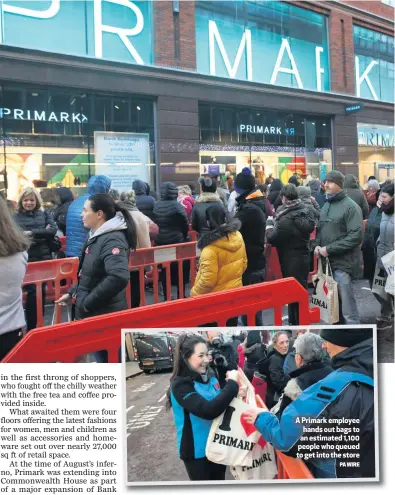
pixel 340 231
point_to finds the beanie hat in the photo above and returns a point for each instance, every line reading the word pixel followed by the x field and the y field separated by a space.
pixel 208 184
pixel 346 337
pixel 336 177
pixel 245 181
pixel 294 180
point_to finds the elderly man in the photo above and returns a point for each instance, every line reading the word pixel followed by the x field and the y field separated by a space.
pixel 345 396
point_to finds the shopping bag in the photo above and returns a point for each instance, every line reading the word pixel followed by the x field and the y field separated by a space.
pixel 325 294
pixel 379 283
pixel 388 261
pixel 57 308
pixel 264 466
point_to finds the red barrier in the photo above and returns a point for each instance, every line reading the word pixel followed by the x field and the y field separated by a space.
pixel 288 468
pixel 67 341
pixel 160 258
pixel 62 239
pixel 52 271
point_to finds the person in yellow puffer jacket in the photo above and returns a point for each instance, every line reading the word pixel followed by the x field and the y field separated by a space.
pixel 223 258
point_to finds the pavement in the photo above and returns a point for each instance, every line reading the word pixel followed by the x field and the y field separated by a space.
pixel 132 369
pixel 368 308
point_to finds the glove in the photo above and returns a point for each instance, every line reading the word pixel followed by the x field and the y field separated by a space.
pixel 232 375
pixel 269 223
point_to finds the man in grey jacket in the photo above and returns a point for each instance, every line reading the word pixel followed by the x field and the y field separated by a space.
pixel 339 236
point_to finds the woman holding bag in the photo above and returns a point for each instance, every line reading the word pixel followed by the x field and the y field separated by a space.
pixel 196 399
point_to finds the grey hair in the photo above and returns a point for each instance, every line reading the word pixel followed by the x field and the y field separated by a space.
pixel 309 347
pixel 375 184
pixel 277 335
pixel 128 195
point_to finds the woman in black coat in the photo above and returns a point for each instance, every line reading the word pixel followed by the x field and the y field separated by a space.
pixel 169 215
pixel 274 193
pixel 290 234
pixel 208 196
pixel 104 263
pixel 272 367
pixel 65 198
pixel 254 351
pixel 41 229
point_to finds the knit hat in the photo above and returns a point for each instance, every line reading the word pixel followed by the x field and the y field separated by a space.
pixel 336 177
pixel 346 337
pixel 129 196
pixel 245 181
pixel 208 184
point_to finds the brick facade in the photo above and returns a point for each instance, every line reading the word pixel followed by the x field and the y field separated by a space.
pixel 374 7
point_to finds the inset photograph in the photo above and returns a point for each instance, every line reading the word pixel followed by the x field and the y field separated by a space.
pixel 251 405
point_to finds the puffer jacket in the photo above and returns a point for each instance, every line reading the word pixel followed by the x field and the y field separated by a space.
pixel 385 243
pixel 369 245
pixel 103 271
pixel 170 217
pixel 37 222
pixel 60 213
pixel 76 232
pixel 204 201
pixel 340 231
pixel 355 192
pixel 144 202
pixel 274 193
pixel 141 222
pixel 291 235
pixel 223 260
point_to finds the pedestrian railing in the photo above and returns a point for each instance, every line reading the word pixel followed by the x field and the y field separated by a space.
pixel 67 341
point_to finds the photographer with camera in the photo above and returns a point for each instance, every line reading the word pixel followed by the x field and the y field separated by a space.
pixel 222 357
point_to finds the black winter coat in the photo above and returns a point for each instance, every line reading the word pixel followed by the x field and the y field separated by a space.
pixel 204 201
pixel 103 275
pixel 355 192
pixel 251 211
pixel 36 222
pixel 291 236
pixel 144 202
pixel 272 367
pixel 60 213
pixel 169 215
pixel 253 354
pixel 369 245
pixel 274 193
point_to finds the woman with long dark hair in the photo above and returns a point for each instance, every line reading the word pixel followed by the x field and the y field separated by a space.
pixel 14 245
pixel 196 399
pixel 103 269
pixel 254 351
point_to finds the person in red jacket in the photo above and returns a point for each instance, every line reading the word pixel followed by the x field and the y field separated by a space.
pixel 186 200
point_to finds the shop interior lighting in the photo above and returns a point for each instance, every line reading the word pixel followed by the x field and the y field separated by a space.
pixel 324 124
pixel 313 123
pixel 138 108
pixel 117 107
pixel 34 94
pixel 72 101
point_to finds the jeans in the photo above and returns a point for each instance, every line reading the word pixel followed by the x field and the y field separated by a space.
pixel 348 305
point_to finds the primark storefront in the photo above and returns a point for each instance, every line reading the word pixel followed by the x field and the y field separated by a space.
pixel 247 84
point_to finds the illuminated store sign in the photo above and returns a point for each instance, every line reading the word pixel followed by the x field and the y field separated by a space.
pixel 261 129
pixel 375 136
pixel 43 116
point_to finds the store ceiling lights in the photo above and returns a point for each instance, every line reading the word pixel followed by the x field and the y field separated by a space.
pixel 117 107
pixel 34 94
pixel 138 108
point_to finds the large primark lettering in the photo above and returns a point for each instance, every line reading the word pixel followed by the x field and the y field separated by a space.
pixel 113 29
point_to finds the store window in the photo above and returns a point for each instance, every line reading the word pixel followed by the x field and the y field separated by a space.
pixel 266 42
pixel 374 64
pixel 270 142
pixel 57 136
pixel 375 152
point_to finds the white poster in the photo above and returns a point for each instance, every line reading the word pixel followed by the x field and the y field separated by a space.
pixel 122 156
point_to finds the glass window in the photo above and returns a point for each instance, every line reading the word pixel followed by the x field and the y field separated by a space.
pixel 377 58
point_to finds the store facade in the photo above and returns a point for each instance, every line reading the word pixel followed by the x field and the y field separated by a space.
pixel 258 87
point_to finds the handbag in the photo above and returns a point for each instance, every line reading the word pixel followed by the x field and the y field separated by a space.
pixel 388 262
pixel 325 294
pixel 55 313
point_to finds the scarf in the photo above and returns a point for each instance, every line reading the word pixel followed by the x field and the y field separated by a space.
pixel 286 206
pixel 207 197
pixel 388 209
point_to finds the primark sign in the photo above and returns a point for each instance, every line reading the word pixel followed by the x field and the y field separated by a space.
pixel 262 129
pixel 43 116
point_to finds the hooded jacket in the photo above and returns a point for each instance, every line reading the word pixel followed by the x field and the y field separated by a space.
pixel 369 245
pixel 76 232
pixel 272 367
pixel 187 202
pixel 145 203
pixel 204 201
pixel 274 193
pixel 340 231
pixel 170 217
pixel 103 272
pixel 291 235
pixel 317 193
pixel 196 403
pixel 355 192
pixel 36 222
pixel 348 394
pixel 223 260
pixel 60 213
pixel 251 211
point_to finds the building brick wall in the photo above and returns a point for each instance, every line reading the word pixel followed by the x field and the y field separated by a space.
pixel 373 6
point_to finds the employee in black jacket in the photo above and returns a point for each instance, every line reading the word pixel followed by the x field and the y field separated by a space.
pixel 103 269
pixel 196 399
pixel 39 226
